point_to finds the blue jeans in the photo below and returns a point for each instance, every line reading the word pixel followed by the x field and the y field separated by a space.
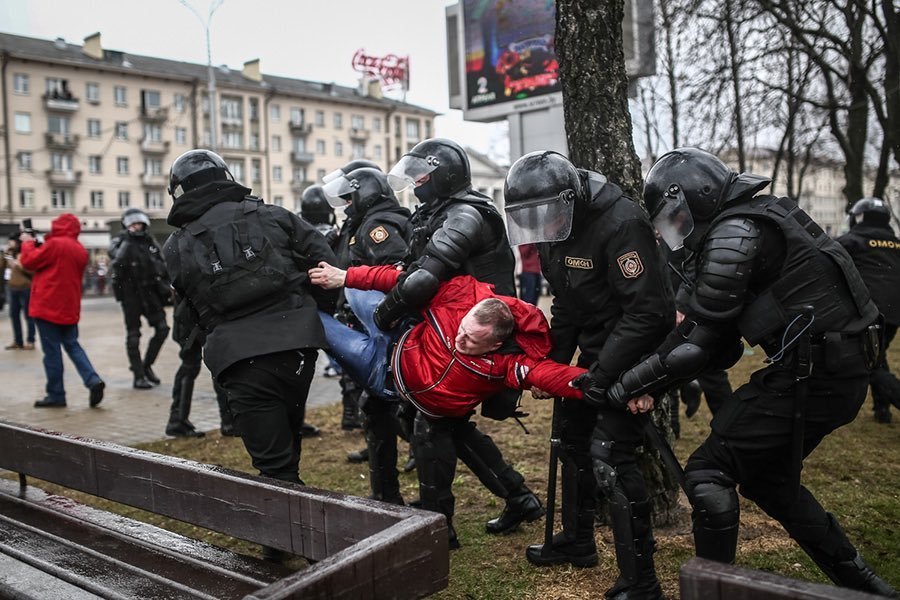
pixel 362 354
pixel 18 304
pixel 52 337
pixel 530 287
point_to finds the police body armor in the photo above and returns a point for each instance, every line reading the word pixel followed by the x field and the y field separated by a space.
pixel 350 252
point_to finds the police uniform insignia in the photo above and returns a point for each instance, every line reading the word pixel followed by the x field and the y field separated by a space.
pixel 631 265
pixel 379 234
pixel 574 262
pixel 352 240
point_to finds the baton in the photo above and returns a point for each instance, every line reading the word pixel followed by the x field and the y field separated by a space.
pixel 665 451
pixel 555 445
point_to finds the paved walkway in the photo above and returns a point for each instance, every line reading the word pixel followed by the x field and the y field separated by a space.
pixel 126 416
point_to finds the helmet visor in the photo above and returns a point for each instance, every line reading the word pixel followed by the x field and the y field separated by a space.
pixel 409 170
pixel 333 175
pixel 674 221
pixel 541 220
pixel 339 191
pixel 135 217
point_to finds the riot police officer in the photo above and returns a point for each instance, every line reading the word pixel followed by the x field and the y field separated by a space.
pixel 611 300
pixel 316 211
pixel 140 284
pixel 374 233
pixel 455 230
pixel 875 251
pixel 765 271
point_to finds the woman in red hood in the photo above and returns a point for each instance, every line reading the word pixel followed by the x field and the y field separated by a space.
pixel 58 266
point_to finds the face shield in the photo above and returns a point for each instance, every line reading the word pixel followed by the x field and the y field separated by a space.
pixel 541 220
pixel 674 221
pixel 339 192
pixel 333 175
pixel 409 170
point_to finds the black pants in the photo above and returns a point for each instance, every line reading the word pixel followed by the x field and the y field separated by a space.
pixel 267 396
pixel 134 307
pixel 716 388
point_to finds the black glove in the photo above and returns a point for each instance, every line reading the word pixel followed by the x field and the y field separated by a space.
pixel 594 395
pixel 390 310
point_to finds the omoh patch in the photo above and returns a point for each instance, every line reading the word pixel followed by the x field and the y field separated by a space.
pixel 379 234
pixel 631 265
pixel 575 262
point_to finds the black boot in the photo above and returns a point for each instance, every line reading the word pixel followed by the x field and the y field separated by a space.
pixel 141 383
pixel 524 507
pixel 381 441
pixel 350 399
pixel 579 550
pixel 858 575
pixel 360 456
pixel 307 430
pixel 150 375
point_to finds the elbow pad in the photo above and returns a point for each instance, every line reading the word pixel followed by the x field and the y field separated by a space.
pixel 413 292
pixel 685 361
pixel 457 238
pixel 391 309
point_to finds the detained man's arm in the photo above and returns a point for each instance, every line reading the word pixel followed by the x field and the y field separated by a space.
pixel 381 278
pixel 556 379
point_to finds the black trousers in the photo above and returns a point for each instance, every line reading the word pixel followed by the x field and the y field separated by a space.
pixel 134 307
pixel 267 396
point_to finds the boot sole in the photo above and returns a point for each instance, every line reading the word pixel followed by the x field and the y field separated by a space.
pixel 582 562
pixel 529 518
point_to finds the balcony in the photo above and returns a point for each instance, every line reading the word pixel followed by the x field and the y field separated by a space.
pixel 360 135
pixel 299 185
pixel 300 128
pixel 154 115
pixel 60 102
pixel 154 180
pixel 302 158
pixel 62 141
pixel 154 146
pixel 63 178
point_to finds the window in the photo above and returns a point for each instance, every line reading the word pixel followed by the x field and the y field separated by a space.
pixel 320 174
pixel 61 163
pixel 232 139
pixel 376 124
pixel 152 166
pixel 21 85
pixel 338 120
pixel 278 201
pixel 124 199
pixel 181 135
pixel 92 92
pixel 121 130
pixel 97 199
pixel 254 141
pixel 412 130
pixel 357 150
pixel 237 169
pixel 58 88
pixel 376 151
pixel 95 164
pixel 23 122
pixel 122 165
pixel 256 170
pixel 93 128
pixel 60 198
pixel 357 121
pixel 296 115
pixel 320 146
pixel 276 174
pixel 320 118
pixel 338 148
pixel 299 145
pixel 207 138
pixel 119 95
pixel 153 200
pixel 276 143
pixel 299 175
pixel 58 125
pixel 152 132
pixel 26 198
pixel 232 109
pixel 427 130
pixel 25 163
pixel 179 102
pixel 150 100
pixel 275 112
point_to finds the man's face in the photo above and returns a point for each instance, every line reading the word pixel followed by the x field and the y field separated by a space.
pixel 473 338
pixel 136 227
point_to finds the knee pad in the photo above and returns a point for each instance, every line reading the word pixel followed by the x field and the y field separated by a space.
pixel 716 505
pixel 604 471
pixel 161 331
pixel 132 338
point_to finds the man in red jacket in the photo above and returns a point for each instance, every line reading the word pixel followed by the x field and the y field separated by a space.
pixel 472 345
pixel 58 265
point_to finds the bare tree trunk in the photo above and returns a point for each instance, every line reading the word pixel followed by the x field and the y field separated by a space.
pixel 733 64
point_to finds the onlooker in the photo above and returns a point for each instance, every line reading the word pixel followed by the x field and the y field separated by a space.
pixel 55 306
pixel 530 277
pixel 18 289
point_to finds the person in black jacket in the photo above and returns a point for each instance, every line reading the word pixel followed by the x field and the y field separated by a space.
pixel 875 251
pixel 140 284
pixel 241 264
pixel 767 273
pixel 612 301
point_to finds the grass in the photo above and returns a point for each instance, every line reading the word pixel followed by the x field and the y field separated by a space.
pixel 855 474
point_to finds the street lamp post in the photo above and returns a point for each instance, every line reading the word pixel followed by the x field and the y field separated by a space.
pixel 211 74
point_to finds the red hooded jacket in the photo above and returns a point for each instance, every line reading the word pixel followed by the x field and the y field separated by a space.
pixel 58 265
pixel 440 381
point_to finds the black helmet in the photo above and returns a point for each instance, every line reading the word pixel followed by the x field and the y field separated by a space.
pixel 195 168
pixel 314 206
pixel 540 193
pixel 132 216
pixel 437 167
pixel 688 187
pixel 871 211
pixel 360 188
pixel 358 163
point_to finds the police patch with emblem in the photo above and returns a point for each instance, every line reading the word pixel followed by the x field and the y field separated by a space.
pixel 631 265
pixel 574 262
pixel 379 234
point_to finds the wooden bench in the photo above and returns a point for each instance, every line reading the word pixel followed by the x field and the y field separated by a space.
pixel 54 547
pixel 701 579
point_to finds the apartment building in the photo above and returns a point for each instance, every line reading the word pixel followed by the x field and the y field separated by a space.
pixel 93 131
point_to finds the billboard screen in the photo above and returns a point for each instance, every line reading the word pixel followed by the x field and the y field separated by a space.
pixel 509 54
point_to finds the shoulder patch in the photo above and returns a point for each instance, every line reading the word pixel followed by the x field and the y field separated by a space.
pixel 379 234
pixel 574 262
pixel 631 265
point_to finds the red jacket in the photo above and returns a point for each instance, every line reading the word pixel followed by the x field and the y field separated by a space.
pixel 442 382
pixel 58 265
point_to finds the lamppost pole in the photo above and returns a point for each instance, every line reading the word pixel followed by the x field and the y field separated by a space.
pixel 210 72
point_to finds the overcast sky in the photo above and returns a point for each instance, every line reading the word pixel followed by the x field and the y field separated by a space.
pixel 305 39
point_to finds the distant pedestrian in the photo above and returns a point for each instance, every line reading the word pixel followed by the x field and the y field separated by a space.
pixel 55 305
pixel 530 277
pixel 18 289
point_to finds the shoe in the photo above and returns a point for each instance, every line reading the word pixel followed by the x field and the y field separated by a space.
pixel 14 346
pixel 525 507
pixel 563 550
pixel 229 430
pixel 28 346
pixel 150 376
pixel 308 431
pixel 360 456
pixel 141 383
pixel 690 395
pixel 48 403
pixel 97 393
pixel 452 539
pixel 181 430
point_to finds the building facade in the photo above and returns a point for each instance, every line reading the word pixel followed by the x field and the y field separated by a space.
pixel 93 131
